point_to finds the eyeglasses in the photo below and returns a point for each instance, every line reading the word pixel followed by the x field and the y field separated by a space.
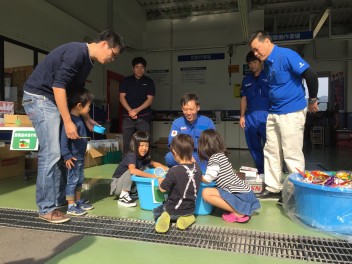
pixel 114 54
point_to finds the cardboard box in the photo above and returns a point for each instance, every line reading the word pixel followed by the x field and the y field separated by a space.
pixel 31 164
pixel 257 187
pixel 11 162
pixel 6 108
pixel 17 121
pixel 251 173
pixel 118 137
pixel 94 157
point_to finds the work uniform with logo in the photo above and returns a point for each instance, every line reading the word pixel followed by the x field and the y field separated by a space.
pixel 256 91
pixel 182 126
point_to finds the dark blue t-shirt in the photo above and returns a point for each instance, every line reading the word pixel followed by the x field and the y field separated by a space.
pixel 74 147
pixel 130 158
pixel 137 91
pixel 67 66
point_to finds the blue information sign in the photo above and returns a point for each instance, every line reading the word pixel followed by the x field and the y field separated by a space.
pixel 292 36
pixel 200 57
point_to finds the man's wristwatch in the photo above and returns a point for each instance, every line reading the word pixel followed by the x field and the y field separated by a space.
pixel 312 100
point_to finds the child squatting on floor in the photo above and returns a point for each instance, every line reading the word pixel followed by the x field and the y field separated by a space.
pixel 231 193
pixel 182 183
pixel 134 162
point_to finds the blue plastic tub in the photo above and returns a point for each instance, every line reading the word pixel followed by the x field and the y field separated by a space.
pixel 148 202
pixel 323 207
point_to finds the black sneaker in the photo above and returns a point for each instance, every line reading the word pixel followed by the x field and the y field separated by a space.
pixel 126 201
pixel 134 194
pixel 279 202
pixel 268 195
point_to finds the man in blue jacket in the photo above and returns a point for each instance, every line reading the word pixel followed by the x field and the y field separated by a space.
pixel 287 113
pixel 191 124
pixel 254 109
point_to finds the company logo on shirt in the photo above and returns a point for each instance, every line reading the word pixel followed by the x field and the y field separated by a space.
pixel 183 128
pixel 248 84
pixel 301 64
pixel 173 133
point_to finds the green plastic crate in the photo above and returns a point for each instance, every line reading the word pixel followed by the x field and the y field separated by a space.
pixel 112 157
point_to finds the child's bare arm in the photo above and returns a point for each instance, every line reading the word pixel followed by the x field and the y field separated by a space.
pixel 204 180
pixel 133 170
pixel 160 180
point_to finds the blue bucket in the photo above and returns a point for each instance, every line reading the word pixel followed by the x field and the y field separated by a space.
pixel 149 200
pixel 99 129
pixel 323 207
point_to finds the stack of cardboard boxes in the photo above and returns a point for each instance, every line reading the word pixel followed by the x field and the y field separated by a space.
pixel 12 163
pixel 98 149
pixel 253 179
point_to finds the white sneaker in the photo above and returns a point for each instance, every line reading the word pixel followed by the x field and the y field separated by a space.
pixel 126 201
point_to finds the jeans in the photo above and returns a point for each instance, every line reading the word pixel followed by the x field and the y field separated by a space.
pixel 75 177
pixel 45 117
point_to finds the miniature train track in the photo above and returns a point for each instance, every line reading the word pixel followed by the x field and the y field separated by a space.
pixel 306 248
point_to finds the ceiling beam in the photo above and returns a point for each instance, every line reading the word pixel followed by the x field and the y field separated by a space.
pixel 244 14
pixel 321 22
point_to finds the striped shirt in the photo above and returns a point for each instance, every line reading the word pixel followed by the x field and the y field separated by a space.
pixel 220 169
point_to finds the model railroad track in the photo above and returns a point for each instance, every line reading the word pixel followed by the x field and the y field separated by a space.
pixel 306 248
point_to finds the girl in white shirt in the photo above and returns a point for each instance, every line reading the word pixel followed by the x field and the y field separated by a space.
pixel 231 193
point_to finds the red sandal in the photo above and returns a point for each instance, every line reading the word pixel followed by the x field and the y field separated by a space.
pixel 231 218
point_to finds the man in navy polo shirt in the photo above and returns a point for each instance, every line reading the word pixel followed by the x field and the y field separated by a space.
pixel 63 70
pixel 136 96
pixel 287 113
pixel 254 109
pixel 191 124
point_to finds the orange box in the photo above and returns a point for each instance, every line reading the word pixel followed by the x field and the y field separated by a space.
pixel 17 121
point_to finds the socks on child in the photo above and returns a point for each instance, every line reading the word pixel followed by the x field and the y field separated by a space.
pixel 163 223
pixel 185 221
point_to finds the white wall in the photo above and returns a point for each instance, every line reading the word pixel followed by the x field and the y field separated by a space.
pixel 41 25
pixel 166 40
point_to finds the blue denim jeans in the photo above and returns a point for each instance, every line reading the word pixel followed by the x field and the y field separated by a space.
pixel 75 177
pixel 45 117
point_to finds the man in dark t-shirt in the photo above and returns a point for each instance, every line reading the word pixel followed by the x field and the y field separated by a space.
pixel 45 101
pixel 136 96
